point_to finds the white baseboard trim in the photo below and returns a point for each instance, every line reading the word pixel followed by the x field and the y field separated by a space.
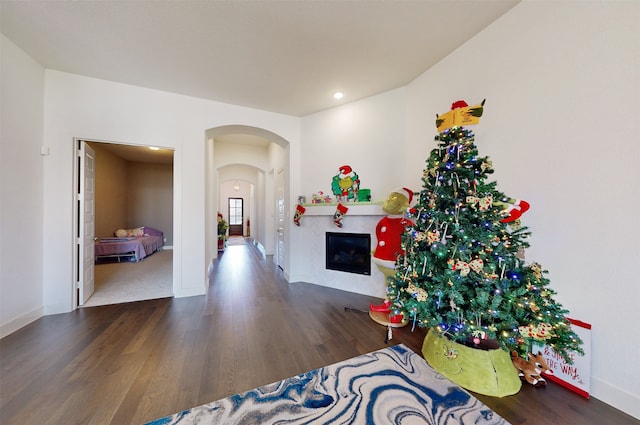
pixel 189 292
pixel 616 397
pixel 20 322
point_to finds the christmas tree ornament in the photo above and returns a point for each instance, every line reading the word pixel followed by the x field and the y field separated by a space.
pixel 433 237
pixel 486 166
pixel 476 265
pixel 537 270
pixel 478 336
pixel 300 210
pixel 515 211
pixel 463 267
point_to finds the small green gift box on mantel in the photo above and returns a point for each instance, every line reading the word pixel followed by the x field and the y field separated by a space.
pixel 364 195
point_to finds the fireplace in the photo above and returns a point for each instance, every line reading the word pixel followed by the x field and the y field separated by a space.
pixel 348 252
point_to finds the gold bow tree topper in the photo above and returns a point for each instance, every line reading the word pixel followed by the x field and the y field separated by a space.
pixel 460 115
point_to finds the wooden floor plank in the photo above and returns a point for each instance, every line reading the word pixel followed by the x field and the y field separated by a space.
pixel 134 362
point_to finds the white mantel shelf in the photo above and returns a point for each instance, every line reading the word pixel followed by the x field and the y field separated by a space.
pixel 355 208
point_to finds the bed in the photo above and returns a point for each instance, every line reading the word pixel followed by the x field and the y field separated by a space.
pixel 134 244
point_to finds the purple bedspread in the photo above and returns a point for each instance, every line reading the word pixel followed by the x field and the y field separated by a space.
pixel 140 247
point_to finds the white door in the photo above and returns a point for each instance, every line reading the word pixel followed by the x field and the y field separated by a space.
pixel 86 227
pixel 280 224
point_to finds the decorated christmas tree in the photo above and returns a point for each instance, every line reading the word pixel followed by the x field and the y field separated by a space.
pixel 463 271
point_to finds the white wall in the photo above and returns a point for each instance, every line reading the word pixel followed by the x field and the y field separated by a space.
pixel 22 88
pixel 83 107
pixel 232 153
pixel 562 82
pixel 368 135
pixel 280 158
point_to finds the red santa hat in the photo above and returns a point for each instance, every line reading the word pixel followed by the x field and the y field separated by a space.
pixel 459 104
pixel 408 193
pixel 346 171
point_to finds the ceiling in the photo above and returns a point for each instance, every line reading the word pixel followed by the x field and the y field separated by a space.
pixel 137 153
pixel 134 153
pixel 281 56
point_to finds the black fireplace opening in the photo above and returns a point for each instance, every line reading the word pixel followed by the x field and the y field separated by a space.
pixel 349 252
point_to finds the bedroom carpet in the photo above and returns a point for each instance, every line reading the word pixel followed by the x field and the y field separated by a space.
pixel 393 385
pixel 130 281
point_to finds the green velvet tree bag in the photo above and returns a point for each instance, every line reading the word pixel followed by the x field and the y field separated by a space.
pixel 488 372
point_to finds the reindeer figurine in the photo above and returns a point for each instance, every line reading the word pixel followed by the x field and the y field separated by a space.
pixel 539 362
pixel 528 371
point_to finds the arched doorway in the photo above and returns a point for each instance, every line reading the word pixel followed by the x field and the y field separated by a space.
pixel 225 150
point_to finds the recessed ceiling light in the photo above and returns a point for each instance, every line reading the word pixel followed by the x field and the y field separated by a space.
pixel 338 95
pixel 154 148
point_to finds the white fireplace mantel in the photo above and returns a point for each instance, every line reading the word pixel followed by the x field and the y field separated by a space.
pixel 355 208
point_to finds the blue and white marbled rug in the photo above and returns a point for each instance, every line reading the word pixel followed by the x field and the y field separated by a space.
pixel 389 386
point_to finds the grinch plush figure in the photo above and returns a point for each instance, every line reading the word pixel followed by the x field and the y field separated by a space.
pixel 389 231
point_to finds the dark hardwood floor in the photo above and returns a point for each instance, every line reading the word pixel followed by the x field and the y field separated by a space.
pixel 131 363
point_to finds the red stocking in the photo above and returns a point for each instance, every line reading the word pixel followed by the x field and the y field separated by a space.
pixel 298 214
pixel 341 210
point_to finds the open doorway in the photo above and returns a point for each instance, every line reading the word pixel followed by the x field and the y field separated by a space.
pixel 248 156
pixel 236 216
pixel 133 220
